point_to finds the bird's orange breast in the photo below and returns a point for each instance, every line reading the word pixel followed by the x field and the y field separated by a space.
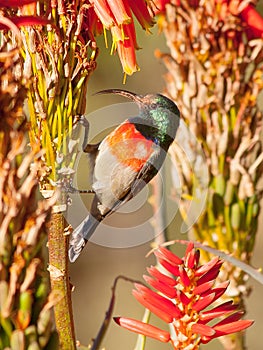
pixel 130 146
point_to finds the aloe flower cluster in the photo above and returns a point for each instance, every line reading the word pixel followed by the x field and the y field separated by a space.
pixel 214 73
pixel 96 16
pixel 118 17
pixel 184 290
pixel 26 316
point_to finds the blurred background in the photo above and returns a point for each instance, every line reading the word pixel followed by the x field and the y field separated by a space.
pixel 94 272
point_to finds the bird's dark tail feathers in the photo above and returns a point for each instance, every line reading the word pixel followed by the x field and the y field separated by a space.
pixel 80 237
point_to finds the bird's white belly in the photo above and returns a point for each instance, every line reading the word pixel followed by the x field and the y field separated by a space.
pixel 112 179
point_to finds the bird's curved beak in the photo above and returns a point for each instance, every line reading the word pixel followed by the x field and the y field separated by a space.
pixel 131 95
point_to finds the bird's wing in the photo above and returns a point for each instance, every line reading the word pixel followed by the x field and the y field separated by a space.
pixel 145 175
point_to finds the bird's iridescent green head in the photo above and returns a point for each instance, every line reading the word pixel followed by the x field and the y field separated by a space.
pixel 156 101
pixel 158 118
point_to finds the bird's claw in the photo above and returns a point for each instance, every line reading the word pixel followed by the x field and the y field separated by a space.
pixel 83 121
pixel 69 188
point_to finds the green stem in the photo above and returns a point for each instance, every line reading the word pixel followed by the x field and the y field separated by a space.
pixel 59 276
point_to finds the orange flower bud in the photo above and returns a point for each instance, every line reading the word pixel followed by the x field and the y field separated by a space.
pixel 143 328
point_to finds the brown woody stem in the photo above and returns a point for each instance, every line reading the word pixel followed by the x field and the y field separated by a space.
pixel 108 315
pixel 59 277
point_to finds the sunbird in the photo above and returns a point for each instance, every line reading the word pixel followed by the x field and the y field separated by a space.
pixel 127 159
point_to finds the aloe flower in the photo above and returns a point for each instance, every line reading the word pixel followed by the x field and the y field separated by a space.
pixel 27 16
pixel 15 3
pixel 118 17
pixel 184 290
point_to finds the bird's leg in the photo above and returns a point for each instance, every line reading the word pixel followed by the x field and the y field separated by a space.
pixel 67 182
pixel 84 122
pixel 87 148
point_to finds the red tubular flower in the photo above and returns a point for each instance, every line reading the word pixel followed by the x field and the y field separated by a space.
pixel 173 269
pixel 203 287
pixel 20 21
pixel 160 276
pixel 104 13
pixel 253 20
pixel 15 3
pixel 230 324
pixel 167 290
pixel 142 14
pixel 120 11
pixel 165 254
pixel 145 328
pixel 27 18
pixel 161 4
pixel 160 312
pixel 182 301
pixel 218 311
pixel 125 41
pixel 117 16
